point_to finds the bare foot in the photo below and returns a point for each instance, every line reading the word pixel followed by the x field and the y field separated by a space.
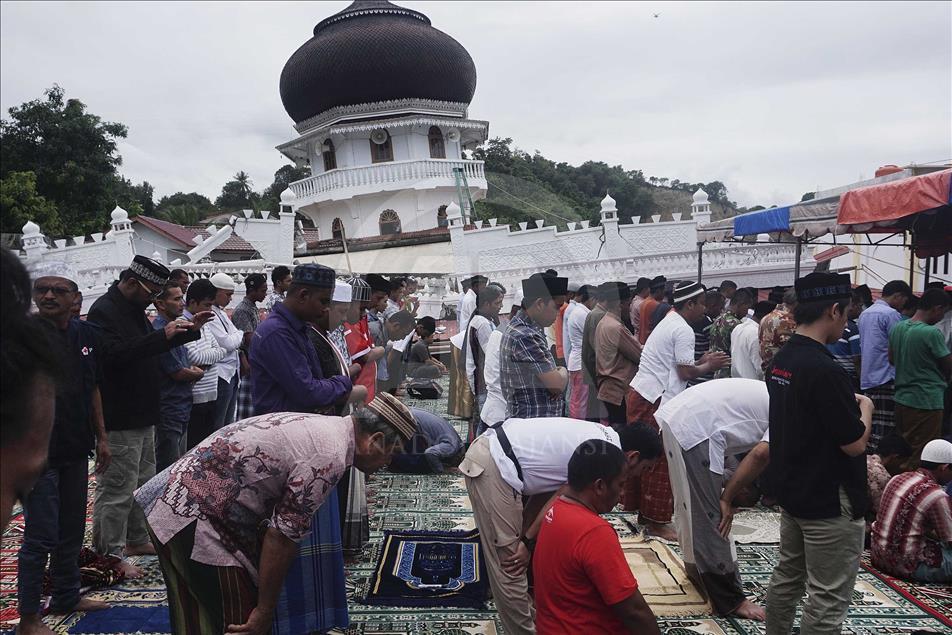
pixel 131 571
pixel 89 604
pixel 750 611
pixel 665 532
pixel 33 625
pixel 147 549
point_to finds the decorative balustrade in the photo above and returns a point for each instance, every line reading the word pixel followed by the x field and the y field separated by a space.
pixel 398 173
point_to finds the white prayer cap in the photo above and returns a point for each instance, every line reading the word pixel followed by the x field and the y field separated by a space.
pixel 937 451
pixel 343 292
pixel 223 281
pixel 52 269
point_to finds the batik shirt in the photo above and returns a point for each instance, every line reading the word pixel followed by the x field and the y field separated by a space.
pixel 275 470
pixel 524 355
pixel 775 329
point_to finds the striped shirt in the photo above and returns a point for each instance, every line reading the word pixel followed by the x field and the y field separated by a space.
pixel 913 513
pixel 204 352
pixel 846 350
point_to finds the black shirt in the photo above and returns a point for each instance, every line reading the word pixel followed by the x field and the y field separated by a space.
pixel 813 412
pixel 73 437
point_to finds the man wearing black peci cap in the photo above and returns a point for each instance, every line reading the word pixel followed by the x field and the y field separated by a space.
pixel 818 433
pixel 131 376
pixel 532 384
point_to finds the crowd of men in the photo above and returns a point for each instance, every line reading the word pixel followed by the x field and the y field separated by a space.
pixel 234 444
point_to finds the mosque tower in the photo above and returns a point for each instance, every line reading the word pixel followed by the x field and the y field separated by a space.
pixel 380 100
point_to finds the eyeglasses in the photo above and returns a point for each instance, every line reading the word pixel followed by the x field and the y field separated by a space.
pixel 153 295
pixel 59 292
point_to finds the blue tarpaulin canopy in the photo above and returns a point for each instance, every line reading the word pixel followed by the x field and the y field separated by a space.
pixel 808 219
pixel 776 219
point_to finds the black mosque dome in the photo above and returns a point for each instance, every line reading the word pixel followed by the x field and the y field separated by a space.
pixel 375 51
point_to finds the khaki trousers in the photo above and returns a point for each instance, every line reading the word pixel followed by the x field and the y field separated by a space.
pixel 498 511
pixel 821 557
pixel 117 519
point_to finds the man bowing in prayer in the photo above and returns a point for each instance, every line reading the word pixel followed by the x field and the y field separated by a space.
pixel 227 519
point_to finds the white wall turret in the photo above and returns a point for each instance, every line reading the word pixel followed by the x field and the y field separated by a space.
pixel 701 207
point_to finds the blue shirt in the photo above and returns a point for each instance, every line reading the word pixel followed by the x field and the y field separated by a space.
pixel 874 325
pixel 846 349
pixel 524 354
pixel 286 373
pixel 176 403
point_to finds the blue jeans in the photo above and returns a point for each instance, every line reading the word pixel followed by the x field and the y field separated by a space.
pixel 942 573
pixel 169 440
pixel 55 512
pixel 227 402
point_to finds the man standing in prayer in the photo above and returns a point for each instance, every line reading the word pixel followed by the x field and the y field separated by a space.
pixel 180 278
pixel 287 377
pixel 745 344
pixel 776 328
pixel 574 337
pixel 923 369
pixel 594 409
pixel 639 295
pixel 398 287
pixel 532 385
pixel 583 583
pixel 713 308
pixel 129 350
pixel 877 375
pixel 527 459
pixel 230 339
pixel 360 342
pixel 559 325
pixel 175 387
pixel 727 289
pixel 203 353
pixel 55 508
pixel 846 351
pixel 481 326
pixel 227 551
pixel 818 433
pixel 648 306
pixel 245 317
pixel 494 410
pixel 667 363
pixel 730 319
pixel 912 535
pixel 280 282
pixel 700 427
pixel 616 353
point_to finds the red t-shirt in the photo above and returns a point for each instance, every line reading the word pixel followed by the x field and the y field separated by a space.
pixel 359 343
pixel 579 571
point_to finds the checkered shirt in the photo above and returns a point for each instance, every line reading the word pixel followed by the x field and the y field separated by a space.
pixel 524 354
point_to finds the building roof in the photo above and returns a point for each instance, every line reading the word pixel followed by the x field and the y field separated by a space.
pixel 375 51
pixel 183 234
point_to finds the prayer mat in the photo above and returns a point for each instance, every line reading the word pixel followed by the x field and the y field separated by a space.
pixel 935 599
pixel 662 579
pixel 430 568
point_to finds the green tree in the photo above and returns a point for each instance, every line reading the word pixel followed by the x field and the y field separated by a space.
pixel 236 194
pixel 271 197
pixel 19 203
pixel 74 156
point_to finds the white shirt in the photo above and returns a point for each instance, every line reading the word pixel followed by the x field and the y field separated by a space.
pixel 484 328
pixel 494 410
pixel 574 329
pixel 945 327
pixel 543 447
pixel 401 345
pixel 745 350
pixel 733 415
pixel 566 344
pixel 671 344
pixel 229 338
pixel 467 306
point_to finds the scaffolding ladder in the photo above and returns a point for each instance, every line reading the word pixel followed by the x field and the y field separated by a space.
pixel 466 206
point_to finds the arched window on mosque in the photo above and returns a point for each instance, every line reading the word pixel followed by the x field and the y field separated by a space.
pixel 330 156
pixel 441 220
pixel 337 229
pixel 381 152
pixel 437 148
pixel 389 222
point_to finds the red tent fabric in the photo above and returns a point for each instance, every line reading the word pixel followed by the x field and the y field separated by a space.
pixel 879 204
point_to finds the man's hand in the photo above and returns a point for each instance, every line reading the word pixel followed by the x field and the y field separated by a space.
pixel 198 371
pixel 358 395
pixel 517 564
pixel 103 455
pixel 258 623
pixel 717 359
pixel 727 519
pixel 199 319
pixel 865 403
pixel 354 370
pixel 176 327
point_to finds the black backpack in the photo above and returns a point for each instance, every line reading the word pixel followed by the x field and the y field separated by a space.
pixel 424 389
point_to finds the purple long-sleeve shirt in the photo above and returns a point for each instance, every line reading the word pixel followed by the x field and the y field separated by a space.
pixel 285 371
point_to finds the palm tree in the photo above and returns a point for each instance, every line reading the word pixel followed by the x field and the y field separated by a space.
pixel 244 184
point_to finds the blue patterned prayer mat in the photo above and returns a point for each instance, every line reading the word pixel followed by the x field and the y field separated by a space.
pixel 430 568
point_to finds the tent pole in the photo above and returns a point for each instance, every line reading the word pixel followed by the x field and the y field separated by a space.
pixel 700 261
pixel 796 267
pixel 912 259
pixel 925 282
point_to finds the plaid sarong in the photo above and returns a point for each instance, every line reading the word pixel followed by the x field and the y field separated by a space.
pixel 352 499
pixel 884 414
pixel 246 408
pixel 650 493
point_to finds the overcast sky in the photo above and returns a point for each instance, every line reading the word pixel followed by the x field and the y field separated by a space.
pixel 772 99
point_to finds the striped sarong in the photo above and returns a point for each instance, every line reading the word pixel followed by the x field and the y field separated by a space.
pixel 354 520
pixel 884 414
pixel 314 597
pixel 246 409
pixel 202 598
